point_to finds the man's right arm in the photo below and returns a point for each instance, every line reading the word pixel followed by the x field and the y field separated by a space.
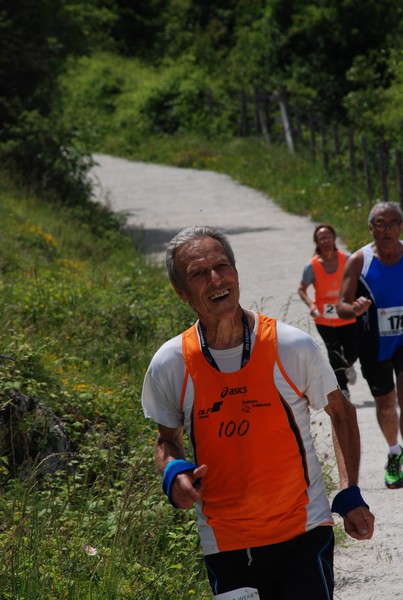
pixel 358 520
pixel 348 306
pixel 187 487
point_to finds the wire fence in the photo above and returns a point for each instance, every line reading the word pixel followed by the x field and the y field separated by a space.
pixel 373 164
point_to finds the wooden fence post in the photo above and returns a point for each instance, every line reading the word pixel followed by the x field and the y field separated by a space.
pixel 244 125
pixel 261 114
pixel 383 169
pixel 336 139
pixel 209 99
pixel 285 117
pixel 325 155
pixel 351 152
pixel 299 138
pixel 312 136
pixel 367 170
pixel 399 176
pixel 292 137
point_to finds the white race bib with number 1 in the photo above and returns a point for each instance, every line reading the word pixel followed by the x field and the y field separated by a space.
pixel 239 594
pixel 390 321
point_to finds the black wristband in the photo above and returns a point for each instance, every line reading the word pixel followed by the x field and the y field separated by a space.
pixel 348 499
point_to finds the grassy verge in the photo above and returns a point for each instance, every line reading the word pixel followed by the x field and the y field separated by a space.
pixel 80 316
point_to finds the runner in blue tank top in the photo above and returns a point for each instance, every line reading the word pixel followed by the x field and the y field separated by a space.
pixel 372 290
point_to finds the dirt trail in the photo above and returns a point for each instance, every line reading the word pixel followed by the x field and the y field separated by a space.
pixel 271 248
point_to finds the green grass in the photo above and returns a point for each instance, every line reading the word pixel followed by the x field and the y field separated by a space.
pixel 81 314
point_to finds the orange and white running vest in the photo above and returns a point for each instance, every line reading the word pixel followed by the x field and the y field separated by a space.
pixel 244 431
pixel 327 286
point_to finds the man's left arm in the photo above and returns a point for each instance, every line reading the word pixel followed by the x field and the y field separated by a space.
pixel 358 520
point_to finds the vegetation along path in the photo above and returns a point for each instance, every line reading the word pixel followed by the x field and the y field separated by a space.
pixel 271 248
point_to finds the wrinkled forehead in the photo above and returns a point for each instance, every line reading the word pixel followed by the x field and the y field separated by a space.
pixel 386 214
pixel 198 250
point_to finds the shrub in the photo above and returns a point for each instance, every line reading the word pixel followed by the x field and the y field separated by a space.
pixel 43 158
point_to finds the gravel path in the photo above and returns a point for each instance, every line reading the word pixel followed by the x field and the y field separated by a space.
pixel 271 248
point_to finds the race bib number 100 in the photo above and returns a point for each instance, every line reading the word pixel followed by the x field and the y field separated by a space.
pixel 239 594
pixel 390 321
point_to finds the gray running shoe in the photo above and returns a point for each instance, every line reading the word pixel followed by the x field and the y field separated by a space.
pixel 351 375
pixel 346 393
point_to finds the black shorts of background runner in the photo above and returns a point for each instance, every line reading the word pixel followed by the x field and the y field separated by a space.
pixel 342 348
pixel 278 571
pixel 379 375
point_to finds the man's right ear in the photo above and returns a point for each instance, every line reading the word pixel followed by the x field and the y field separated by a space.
pixel 181 294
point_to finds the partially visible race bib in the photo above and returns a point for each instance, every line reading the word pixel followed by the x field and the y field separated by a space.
pixel 390 321
pixel 329 311
pixel 239 594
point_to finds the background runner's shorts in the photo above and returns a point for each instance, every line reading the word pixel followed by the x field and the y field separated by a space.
pixel 379 375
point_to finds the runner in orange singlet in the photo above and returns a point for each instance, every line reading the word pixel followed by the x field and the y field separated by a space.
pixel 325 271
pixel 242 386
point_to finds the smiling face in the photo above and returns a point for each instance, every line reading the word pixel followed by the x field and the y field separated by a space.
pixel 209 283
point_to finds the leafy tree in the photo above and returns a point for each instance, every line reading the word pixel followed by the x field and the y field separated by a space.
pixel 136 26
pixel 204 28
pixel 307 47
pixel 374 104
pixel 35 40
pixel 311 46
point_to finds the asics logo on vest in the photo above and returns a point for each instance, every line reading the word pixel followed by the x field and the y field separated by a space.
pixel 232 391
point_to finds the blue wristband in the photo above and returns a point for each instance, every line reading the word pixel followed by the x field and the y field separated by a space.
pixel 173 468
pixel 347 499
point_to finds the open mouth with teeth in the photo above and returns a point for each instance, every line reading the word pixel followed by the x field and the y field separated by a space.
pixel 219 296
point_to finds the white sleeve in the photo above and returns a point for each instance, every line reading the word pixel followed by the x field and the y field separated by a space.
pixel 162 385
pixel 305 364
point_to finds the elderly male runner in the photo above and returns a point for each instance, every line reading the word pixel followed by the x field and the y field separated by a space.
pixel 372 291
pixel 242 384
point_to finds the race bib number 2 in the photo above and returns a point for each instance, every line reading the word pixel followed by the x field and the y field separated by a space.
pixel 239 594
pixel 329 311
pixel 390 321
